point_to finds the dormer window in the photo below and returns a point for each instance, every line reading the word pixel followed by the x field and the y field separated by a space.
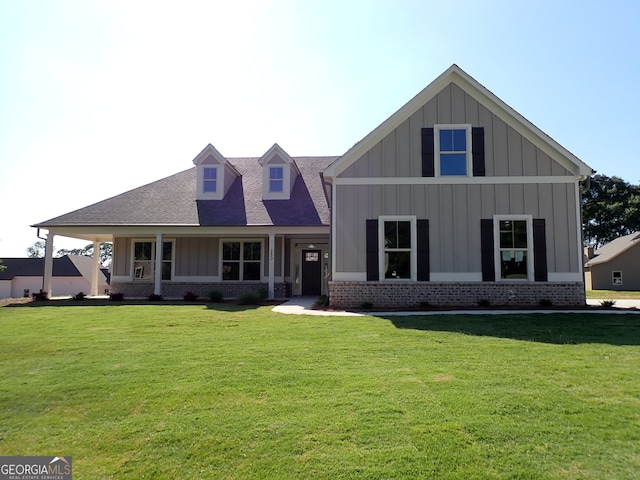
pixel 214 174
pixel 276 179
pixel 210 179
pixel 453 150
pixel 279 173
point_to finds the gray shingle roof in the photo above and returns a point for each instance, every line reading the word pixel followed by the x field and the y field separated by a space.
pixel 34 267
pixel 172 201
pixel 614 248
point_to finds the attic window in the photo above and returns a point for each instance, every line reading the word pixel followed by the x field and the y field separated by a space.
pixel 276 179
pixel 453 149
pixel 210 180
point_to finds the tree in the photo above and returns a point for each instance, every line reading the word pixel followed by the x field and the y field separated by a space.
pixel 106 250
pixel 36 250
pixel 610 209
pixel 2 267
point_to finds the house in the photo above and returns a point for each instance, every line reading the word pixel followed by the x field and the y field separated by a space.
pixel 616 265
pixel 71 275
pixel 455 198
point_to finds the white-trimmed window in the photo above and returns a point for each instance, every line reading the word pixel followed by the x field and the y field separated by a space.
pixel 616 278
pixel 452 144
pixel 144 255
pixel 276 179
pixel 241 260
pixel 210 180
pixel 397 238
pixel 514 247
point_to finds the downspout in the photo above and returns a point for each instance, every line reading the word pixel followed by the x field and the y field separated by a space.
pixel 328 197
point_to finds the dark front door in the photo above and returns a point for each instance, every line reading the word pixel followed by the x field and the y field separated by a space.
pixel 311 272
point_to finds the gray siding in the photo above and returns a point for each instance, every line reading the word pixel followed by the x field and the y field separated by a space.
pixel 507 153
pixel 122 256
pixel 454 213
pixel 197 256
pixel 628 262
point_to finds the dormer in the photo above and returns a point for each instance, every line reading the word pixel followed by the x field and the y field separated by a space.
pixel 279 172
pixel 214 174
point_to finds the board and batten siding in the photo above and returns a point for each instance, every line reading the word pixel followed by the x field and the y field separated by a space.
pixel 507 152
pixel 454 213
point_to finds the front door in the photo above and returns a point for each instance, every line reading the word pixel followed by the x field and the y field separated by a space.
pixel 311 272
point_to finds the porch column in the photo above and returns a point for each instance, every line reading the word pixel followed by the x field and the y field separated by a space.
pixel 48 265
pixel 272 264
pixel 157 289
pixel 95 269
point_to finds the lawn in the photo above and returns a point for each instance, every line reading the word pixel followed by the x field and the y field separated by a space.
pixel 205 391
pixel 614 294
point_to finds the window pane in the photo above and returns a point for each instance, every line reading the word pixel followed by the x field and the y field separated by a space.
pixel 166 250
pixel 520 234
pixel 397 265
pixel 251 251
pixel 209 186
pixel 142 251
pixel 166 270
pixel 513 264
pixel 231 270
pixel 210 173
pixel 446 140
pixel 276 173
pixel 460 140
pixel 391 234
pixel 404 234
pixel 453 164
pixel 231 251
pixel 251 271
pixel 275 185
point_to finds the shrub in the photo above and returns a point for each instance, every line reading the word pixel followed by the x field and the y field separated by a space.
pixel 190 297
pixel 155 298
pixel 484 302
pixel 545 302
pixel 607 303
pixel 116 297
pixel 250 297
pixel 366 305
pixel 41 296
pixel 424 304
pixel 215 296
pixel 79 296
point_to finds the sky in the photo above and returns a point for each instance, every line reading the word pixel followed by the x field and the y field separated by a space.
pixel 100 97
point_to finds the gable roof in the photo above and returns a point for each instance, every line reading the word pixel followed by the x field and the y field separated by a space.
pixel 614 248
pixel 456 75
pixel 172 201
pixel 67 266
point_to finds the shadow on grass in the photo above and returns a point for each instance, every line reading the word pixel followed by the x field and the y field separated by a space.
pixel 561 329
pixel 222 306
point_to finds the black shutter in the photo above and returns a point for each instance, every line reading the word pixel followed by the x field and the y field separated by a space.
pixel 539 250
pixel 422 234
pixel 477 151
pixel 373 272
pixel 428 155
pixel 486 249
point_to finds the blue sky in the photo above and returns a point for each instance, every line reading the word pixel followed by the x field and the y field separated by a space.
pixel 97 97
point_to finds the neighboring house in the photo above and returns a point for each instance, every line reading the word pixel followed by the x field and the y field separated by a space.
pixel 616 265
pixel 455 198
pixel 71 275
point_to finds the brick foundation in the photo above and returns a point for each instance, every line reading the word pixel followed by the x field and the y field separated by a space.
pixel 454 294
pixel 178 289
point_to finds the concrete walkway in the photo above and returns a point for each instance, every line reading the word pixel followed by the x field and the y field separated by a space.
pixel 304 306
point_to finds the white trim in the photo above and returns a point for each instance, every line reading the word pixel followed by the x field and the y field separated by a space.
pixel 219 192
pixel 452 180
pixel 579 230
pixel 349 277
pixel 436 148
pixel 496 246
pixel 289 173
pixel 562 277
pixel 455 277
pixel 413 267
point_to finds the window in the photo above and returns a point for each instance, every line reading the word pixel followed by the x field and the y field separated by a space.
pixel 276 179
pixel 241 260
pixel 616 278
pixel 398 242
pixel 514 248
pixel 210 180
pixel 453 149
pixel 144 260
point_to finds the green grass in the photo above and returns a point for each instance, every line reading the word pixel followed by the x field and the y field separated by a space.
pixel 194 392
pixel 613 294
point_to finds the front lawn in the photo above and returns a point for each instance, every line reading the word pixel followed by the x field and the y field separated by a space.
pixel 613 294
pixel 198 392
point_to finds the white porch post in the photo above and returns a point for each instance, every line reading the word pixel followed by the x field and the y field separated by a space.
pixel 157 289
pixel 48 265
pixel 272 264
pixel 95 269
